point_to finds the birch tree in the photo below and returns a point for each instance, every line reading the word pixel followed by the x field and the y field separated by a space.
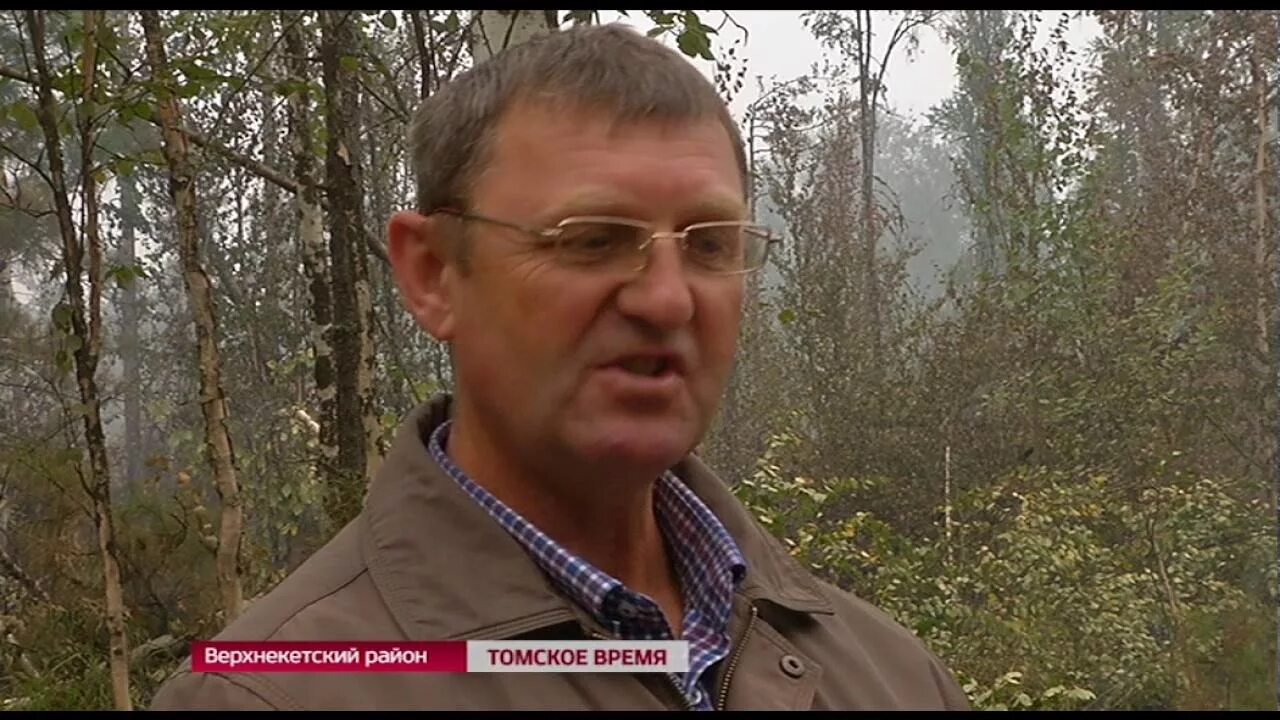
pixel 81 321
pixel 213 403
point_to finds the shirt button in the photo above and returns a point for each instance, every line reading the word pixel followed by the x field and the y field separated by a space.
pixel 792 665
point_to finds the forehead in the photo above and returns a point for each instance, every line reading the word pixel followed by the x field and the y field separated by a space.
pixel 548 157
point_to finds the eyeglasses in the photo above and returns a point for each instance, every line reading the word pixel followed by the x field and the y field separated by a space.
pixel 611 243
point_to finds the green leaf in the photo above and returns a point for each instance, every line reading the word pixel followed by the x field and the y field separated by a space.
pixel 452 23
pixel 195 72
pixel 25 116
pixel 288 88
pixel 124 275
pixel 1081 694
pixel 124 167
pixel 787 316
pixel 62 317
pixel 62 361
pixel 657 30
pixel 695 43
pixel 661 17
pixel 439 26
pixel 388 20
pixel 144 110
pixel 349 63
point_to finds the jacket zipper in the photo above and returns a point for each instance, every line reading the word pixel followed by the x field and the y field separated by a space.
pixel 733 661
pixel 670 680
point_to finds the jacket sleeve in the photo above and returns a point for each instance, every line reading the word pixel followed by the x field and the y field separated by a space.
pixel 206 691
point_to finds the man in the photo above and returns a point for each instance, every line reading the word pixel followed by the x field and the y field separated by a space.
pixel 581 244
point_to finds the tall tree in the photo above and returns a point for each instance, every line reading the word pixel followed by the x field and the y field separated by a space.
pixel 213 403
pixel 980 39
pixel 315 258
pixel 84 332
pixel 352 336
pixel 493 31
pixel 856 38
pixel 1262 74
pixel 130 319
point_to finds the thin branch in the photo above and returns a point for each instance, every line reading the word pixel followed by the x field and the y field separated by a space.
pixel 387 75
pixel 728 17
pixel 16 75
pixel 511 26
pixel 128 71
pixel 226 103
pixel 400 114
pixel 256 167
pixel 462 40
pixel 905 26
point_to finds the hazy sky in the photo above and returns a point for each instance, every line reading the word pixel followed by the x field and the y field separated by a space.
pixel 779 46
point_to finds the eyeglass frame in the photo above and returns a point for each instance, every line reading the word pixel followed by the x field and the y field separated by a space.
pixel 680 236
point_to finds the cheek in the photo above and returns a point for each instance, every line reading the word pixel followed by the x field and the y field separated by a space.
pixel 719 326
pixel 544 317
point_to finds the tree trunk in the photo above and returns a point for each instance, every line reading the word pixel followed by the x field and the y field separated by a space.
pixel 199 292
pixel 130 317
pixel 85 358
pixel 497 30
pixel 867 109
pixel 315 260
pixel 426 65
pixel 352 341
pixel 1262 58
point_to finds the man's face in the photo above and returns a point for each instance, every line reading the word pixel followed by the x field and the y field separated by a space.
pixel 604 370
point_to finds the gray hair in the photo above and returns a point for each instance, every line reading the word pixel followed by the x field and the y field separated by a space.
pixel 613 67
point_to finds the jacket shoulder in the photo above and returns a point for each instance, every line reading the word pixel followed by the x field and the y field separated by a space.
pixel 891 646
pixel 329 597
pixel 187 690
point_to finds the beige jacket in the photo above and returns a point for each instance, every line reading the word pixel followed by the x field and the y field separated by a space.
pixel 424 562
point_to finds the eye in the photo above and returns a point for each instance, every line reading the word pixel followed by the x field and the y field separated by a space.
pixel 716 247
pixel 595 241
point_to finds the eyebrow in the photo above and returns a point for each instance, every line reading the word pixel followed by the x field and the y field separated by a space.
pixel 604 202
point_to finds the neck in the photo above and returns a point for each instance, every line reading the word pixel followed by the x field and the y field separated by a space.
pixel 609 521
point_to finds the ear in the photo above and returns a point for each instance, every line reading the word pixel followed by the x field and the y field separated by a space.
pixel 424 271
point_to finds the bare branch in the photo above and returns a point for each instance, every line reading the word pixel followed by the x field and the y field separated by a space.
pixel 389 77
pixel 16 75
pixel 258 168
pixel 11 568
pixel 226 103
pixel 401 114
pixel 462 40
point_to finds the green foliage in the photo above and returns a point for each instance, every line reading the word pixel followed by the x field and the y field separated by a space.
pixel 1048 591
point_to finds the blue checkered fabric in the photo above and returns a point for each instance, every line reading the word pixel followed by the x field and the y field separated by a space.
pixel 708 563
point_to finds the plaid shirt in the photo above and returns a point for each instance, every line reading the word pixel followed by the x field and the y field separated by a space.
pixel 707 560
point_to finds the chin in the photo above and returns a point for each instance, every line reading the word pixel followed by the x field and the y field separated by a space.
pixel 649 446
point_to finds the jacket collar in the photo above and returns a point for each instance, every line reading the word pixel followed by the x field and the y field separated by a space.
pixel 446 570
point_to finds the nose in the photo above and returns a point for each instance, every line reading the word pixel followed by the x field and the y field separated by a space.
pixel 660 295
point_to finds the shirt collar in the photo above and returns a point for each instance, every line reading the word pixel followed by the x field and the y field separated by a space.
pixel 708 562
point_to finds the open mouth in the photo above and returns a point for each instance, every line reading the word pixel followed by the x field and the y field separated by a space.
pixel 647 366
